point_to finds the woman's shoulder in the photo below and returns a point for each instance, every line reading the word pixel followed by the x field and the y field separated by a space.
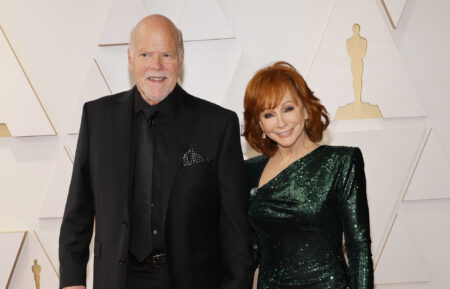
pixel 256 163
pixel 343 152
pixel 254 167
pixel 256 160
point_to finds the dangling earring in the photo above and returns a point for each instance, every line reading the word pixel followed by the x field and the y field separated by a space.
pixel 263 135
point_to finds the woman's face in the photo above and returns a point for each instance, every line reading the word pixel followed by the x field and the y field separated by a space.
pixel 285 123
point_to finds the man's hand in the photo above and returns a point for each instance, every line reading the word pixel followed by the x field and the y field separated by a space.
pixel 75 287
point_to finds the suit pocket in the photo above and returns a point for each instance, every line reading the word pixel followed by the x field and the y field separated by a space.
pixel 97 249
pixel 206 166
pixel 207 257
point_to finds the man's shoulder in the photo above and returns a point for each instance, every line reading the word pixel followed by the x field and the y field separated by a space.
pixel 205 107
pixel 110 99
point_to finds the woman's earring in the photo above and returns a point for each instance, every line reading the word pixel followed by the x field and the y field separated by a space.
pixel 263 135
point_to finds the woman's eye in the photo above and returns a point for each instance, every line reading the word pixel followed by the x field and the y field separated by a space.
pixel 289 108
pixel 268 115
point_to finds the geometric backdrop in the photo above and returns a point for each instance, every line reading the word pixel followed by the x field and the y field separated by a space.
pixel 67 54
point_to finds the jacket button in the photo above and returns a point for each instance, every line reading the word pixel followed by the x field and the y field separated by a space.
pixel 121 261
pixel 125 222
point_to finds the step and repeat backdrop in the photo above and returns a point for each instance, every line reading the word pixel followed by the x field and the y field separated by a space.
pixel 380 67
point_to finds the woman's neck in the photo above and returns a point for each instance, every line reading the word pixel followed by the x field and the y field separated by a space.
pixel 296 151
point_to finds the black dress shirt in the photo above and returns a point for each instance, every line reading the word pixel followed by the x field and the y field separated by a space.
pixel 161 128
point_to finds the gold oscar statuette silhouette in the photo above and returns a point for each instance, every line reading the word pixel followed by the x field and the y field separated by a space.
pixel 4 131
pixel 36 268
pixel 356 48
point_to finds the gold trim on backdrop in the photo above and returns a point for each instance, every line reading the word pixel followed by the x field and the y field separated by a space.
pixel 46 254
pixel 4 131
pixel 384 244
pixel 69 154
pixel 388 14
pixel 112 44
pixel 103 76
pixel 17 256
pixel 28 80
pixel 417 163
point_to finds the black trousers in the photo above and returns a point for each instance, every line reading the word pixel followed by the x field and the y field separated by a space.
pixel 145 276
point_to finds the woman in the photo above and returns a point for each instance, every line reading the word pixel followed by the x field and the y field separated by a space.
pixel 305 196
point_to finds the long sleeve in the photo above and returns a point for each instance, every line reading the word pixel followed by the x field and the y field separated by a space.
pixel 234 226
pixel 78 220
pixel 254 168
pixel 355 220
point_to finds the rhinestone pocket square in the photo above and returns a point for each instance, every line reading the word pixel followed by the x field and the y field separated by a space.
pixel 191 157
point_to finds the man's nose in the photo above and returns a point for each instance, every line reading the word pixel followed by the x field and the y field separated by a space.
pixel 155 62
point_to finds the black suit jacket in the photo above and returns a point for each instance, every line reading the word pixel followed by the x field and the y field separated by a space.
pixel 207 236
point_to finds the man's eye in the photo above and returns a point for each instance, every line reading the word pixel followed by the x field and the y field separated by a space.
pixel 167 55
pixel 289 108
pixel 144 55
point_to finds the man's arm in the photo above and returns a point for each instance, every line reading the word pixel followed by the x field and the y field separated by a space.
pixel 78 219
pixel 234 227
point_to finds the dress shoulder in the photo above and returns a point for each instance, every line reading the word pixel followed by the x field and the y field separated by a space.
pixel 254 167
pixel 345 153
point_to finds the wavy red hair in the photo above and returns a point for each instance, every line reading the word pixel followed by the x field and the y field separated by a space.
pixel 266 90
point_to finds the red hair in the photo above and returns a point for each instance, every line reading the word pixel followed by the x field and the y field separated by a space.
pixel 266 90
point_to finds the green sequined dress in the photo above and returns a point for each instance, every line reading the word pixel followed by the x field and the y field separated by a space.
pixel 299 217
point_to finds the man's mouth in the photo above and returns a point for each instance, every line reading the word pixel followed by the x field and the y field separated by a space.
pixel 156 79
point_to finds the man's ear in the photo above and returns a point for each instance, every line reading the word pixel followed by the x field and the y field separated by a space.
pixel 129 60
pixel 181 59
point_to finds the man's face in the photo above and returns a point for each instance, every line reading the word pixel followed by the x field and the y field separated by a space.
pixel 154 61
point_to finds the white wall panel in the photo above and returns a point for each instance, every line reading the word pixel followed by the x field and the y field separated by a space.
pixel 72 145
pixel 23 277
pixel 394 9
pixel 208 68
pixel 385 81
pixel 427 224
pixel 56 195
pixel 270 31
pixel 55 41
pixel 94 87
pixel 171 9
pixel 399 262
pixel 431 178
pixel 20 108
pixel 122 17
pixel 113 62
pixel 234 97
pixel 10 247
pixel 202 20
pixel 25 169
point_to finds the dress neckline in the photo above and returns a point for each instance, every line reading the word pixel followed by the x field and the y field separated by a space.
pixel 297 161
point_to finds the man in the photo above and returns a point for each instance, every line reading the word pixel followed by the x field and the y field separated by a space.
pixel 162 174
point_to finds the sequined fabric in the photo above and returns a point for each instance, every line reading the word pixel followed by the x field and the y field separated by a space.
pixel 300 216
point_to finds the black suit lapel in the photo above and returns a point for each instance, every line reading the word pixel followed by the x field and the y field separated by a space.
pixel 178 144
pixel 123 142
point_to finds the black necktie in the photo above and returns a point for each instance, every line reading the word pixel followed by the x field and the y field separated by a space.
pixel 141 239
